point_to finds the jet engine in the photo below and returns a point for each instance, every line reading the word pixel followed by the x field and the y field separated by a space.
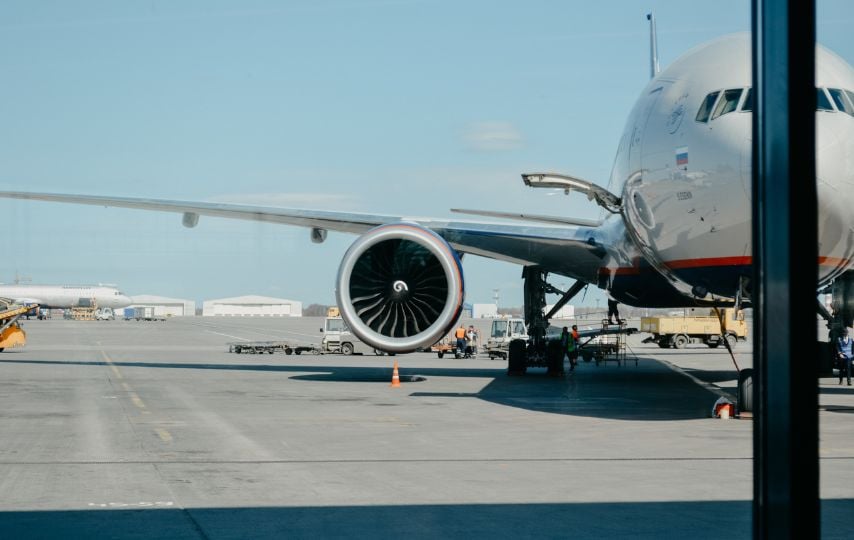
pixel 400 287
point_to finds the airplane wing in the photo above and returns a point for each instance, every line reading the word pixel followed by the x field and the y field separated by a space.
pixel 566 250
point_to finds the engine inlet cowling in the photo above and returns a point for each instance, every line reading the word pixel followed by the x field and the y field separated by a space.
pixel 400 287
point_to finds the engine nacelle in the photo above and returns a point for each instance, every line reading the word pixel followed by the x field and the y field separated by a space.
pixel 400 287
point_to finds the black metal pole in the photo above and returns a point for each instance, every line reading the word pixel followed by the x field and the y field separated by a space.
pixel 785 256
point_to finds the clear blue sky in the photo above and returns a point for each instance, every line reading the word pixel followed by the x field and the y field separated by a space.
pixel 386 106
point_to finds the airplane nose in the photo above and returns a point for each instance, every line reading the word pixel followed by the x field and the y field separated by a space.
pixel 835 186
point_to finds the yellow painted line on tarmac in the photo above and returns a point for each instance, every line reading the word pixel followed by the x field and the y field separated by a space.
pixel 164 435
pixel 113 367
pixel 136 401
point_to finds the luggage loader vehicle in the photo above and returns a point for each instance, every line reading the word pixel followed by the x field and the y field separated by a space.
pixel 11 334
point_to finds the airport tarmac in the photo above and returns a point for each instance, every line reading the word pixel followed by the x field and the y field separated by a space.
pixel 125 429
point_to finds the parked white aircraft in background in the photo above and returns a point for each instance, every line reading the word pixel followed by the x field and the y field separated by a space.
pixel 66 296
pixel 675 226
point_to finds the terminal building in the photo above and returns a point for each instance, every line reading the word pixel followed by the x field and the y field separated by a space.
pixel 164 306
pixel 252 306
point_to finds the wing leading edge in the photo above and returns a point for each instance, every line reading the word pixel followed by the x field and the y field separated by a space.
pixel 566 250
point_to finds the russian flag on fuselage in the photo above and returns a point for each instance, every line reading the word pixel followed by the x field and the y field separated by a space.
pixel 682 156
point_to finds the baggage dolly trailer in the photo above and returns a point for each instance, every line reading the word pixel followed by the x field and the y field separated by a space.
pixel 270 347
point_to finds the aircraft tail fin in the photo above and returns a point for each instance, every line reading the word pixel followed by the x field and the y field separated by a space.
pixel 653 46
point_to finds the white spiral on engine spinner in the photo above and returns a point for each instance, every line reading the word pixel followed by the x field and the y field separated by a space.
pixel 400 286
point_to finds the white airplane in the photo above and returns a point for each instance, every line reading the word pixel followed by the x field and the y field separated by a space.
pixel 675 225
pixel 66 296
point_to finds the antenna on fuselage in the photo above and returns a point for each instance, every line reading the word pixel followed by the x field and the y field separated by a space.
pixel 653 47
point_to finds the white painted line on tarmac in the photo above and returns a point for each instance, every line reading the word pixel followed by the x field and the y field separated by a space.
pixel 141 504
pixel 227 335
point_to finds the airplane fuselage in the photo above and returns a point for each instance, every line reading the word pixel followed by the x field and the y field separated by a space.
pixel 66 296
pixel 683 168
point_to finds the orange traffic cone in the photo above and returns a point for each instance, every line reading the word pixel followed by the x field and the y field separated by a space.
pixel 395 378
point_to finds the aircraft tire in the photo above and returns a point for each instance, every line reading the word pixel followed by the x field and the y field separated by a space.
pixel 745 390
pixel 516 364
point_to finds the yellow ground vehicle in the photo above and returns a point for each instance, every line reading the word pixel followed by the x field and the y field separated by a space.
pixel 677 332
pixel 11 334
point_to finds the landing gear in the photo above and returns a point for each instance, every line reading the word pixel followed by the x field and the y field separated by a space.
pixel 535 352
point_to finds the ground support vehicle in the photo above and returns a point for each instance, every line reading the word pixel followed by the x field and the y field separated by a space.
pixel 104 314
pixel 448 345
pixel 677 332
pixel 504 331
pixel 11 334
pixel 608 345
pixel 337 338
pixel 270 347
pixel 143 313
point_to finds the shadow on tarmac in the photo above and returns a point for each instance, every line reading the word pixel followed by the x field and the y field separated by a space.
pixel 694 519
pixel 650 391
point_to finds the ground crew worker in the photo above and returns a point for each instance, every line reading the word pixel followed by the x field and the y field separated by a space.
pixel 471 341
pixel 460 334
pixel 568 343
pixel 613 311
pixel 573 355
pixel 845 352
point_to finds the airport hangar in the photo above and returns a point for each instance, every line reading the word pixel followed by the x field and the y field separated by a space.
pixel 165 306
pixel 252 306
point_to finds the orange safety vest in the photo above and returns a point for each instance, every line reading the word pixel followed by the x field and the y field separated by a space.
pixel 461 333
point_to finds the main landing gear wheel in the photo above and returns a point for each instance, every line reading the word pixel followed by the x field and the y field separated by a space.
pixel 745 390
pixel 516 358
pixel 347 349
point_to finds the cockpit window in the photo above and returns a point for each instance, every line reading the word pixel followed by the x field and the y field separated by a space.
pixel 748 101
pixel 706 107
pixel 823 101
pixel 728 102
pixel 844 100
pixel 841 100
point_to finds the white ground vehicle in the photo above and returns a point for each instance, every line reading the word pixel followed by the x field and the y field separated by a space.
pixel 337 338
pixel 502 333
pixel 104 314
